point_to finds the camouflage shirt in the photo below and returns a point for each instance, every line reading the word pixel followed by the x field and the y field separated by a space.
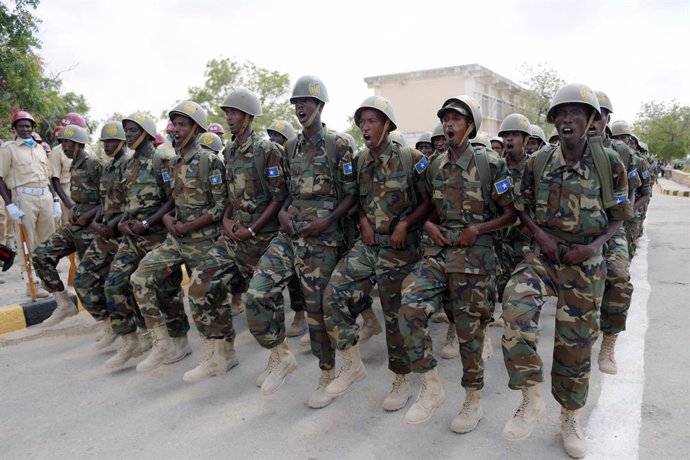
pixel 112 191
pixel 316 186
pixel 146 190
pixel 195 195
pixel 568 200
pixel 385 188
pixel 632 166
pixel 245 183
pixel 458 197
pixel 86 177
pixel 645 173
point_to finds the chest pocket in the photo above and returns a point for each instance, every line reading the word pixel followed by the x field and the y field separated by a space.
pixel 395 191
pixel 592 215
pixel 192 187
pixel 472 202
pixel 322 178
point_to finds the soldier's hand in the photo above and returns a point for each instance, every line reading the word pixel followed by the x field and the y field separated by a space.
pixel 549 246
pixel 228 224
pixel 435 232
pixel 136 228
pixel 367 232
pixel 467 237
pixel 399 236
pixel 83 220
pixel 123 227
pixel 316 227
pixel 73 216
pixel 169 222
pixel 101 229
pixel 180 229
pixel 286 222
pixel 577 254
pixel 239 232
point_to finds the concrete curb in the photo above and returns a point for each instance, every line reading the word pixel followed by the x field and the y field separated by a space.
pixel 673 192
pixel 20 316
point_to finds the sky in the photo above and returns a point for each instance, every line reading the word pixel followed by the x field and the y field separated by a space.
pixel 144 54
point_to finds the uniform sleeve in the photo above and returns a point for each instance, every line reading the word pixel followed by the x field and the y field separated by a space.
pixel 219 191
pixel 645 187
pixel 346 167
pixel 54 163
pixel 502 188
pixel 622 210
pixel 275 171
pixel 5 163
pixel 420 166
pixel 528 188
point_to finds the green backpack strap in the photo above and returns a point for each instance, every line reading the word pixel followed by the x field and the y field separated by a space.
pixel 204 160
pixel 260 166
pixel 603 165
pixel 408 167
pixel 484 170
pixel 541 158
pixel 291 147
pixel 332 154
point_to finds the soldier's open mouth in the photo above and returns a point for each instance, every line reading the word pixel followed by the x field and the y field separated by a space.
pixel 301 115
pixel 567 131
pixel 450 134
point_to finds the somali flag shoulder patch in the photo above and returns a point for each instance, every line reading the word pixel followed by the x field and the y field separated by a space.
pixel 504 185
pixel 273 171
pixel 216 179
pixel 347 169
pixel 645 174
pixel 621 199
pixel 165 176
pixel 421 165
pixel 632 174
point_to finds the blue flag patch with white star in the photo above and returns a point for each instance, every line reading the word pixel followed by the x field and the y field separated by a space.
pixel 347 168
pixel 632 174
pixel 421 165
pixel 216 179
pixel 273 171
pixel 621 199
pixel 504 185
pixel 645 174
pixel 166 177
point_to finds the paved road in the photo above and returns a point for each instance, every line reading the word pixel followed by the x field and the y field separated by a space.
pixel 57 400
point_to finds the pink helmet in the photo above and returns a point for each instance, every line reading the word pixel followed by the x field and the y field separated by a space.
pixel 73 118
pixel 158 140
pixel 216 128
pixel 22 115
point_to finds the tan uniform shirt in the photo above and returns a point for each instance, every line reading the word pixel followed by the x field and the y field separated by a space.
pixel 21 165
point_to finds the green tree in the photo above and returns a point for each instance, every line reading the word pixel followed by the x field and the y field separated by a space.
pixel 541 83
pixel 224 75
pixel 354 131
pixel 23 82
pixel 665 127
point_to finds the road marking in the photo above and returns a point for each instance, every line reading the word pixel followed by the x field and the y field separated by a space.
pixel 614 426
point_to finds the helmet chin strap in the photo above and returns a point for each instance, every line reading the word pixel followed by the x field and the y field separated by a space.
pixel 383 133
pixel 245 125
pixel 312 117
pixel 188 137
pixel 470 126
pixel 139 140
pixel 589 123
pixel 119 147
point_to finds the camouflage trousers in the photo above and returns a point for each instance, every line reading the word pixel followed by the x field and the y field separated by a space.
pixel 633 230
pixel 123 309
pixel 619 289
pixel 227 264
pixel 284 258
pixel 157 270
pixel 89 280
pixel 579 289
pixel 352 281
pixel 510 251
pixel 468 305
pixel 63 242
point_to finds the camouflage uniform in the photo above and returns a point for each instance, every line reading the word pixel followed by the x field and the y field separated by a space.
pixel 634 227
pixel 566 202
pixel 146 191
pixel 316 187
pixel 385 195
pixel 456 191
pixel 194 195
pixel 86 174
pixel 89 280
pixel 618 288
pixel 230 262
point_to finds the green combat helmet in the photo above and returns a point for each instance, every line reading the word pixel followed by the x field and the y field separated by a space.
pixel 538 133
pixel 309 86
pixel 210 141
pixel 644 147
pixel 482 140
pixel 143 120
pixel 574 93
pixel 112 130
pixel 74 133
pixel 515 122
pixel 496 139
pixel 437 132
pixel 380 104
pixel 351 141
pixel 553 138
pixel 467 106
pixel 398 138
pixel 620 128
pixel 284 128
pixel 243 100
pixel 423 138
pixel 604 101
pixel 191 109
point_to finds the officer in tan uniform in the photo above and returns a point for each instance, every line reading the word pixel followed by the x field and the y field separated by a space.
pixel 24 183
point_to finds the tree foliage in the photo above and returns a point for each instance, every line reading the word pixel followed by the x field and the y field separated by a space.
pixel 542 83
pixel 665 127
pixel 224 75
pixel 24 84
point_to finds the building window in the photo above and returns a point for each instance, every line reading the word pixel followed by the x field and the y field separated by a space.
pixel 499 110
